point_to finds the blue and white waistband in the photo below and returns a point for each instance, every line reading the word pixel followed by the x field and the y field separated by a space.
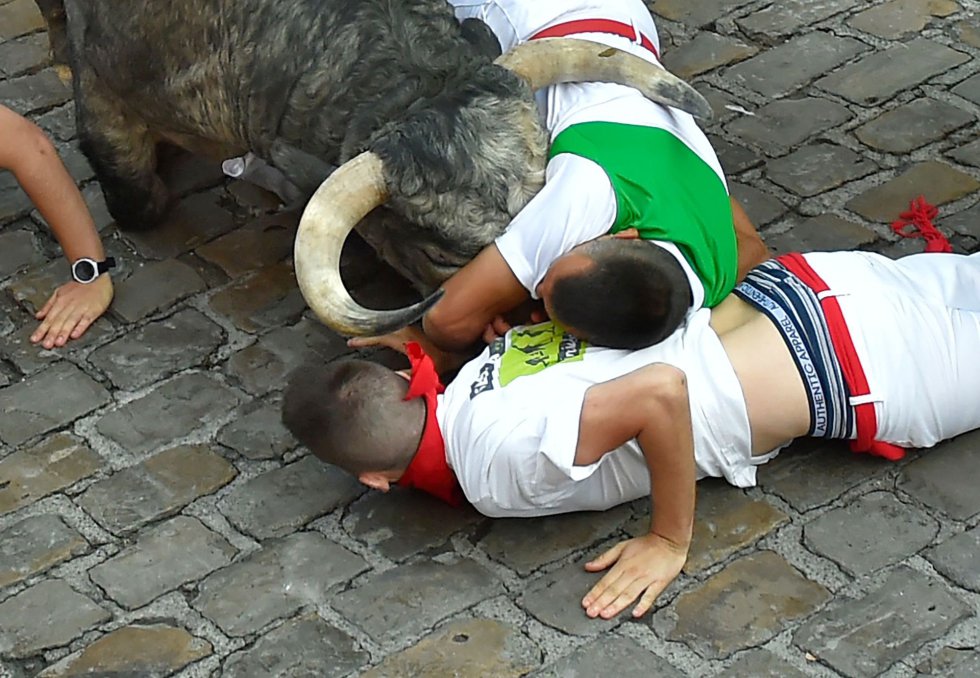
pixel 795 309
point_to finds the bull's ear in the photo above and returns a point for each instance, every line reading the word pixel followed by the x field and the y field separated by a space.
pixel 480 36
pixel 303 169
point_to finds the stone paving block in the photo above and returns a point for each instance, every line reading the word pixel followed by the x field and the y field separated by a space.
pixel 912 125
pixel 18 249
pixel 471 648
pixel 937 181
pixel 279 501
pixel 725 522
pixel 870 533
pixel 403 522
pixel 34 545
pixel 29 358
pixel 969 89
pixel 968 154
pixel 409 599
pixel 184 173
pixel 155 488
pixel 19 17
pixel 952 662
pixel 706 52
pixel 276 581
pixel 813 473
pixel 784 18
pixel 969 31
pixel 268 298
pixel 192 222
pixel 761 207
pixel 958 559
pixel 882 75
pixel 33 288
pixel 864 637
pixel 165 557
pixel 937 478
pixel 13 201
pixel 734 158
pixel 248 194
pixel 722 103
pixel 24 54
pixel 152 651
pixel 58 122
pixel 264 365
pixel 158 349
pixel 525 544
pixel 95 202
pixel 555 599
pixel 789 122
pixel 966 222
pixel 611 654
pixel 153 288
pixel 695 13
pixel 75 162
pixel 258 433
pixel 760 664
pixel 30 93
pixel 744 605
pixel 47 615
pixel 787 67
pixel 258 244
pixel 50 466
pixel 171 411
pixel 305 646
pixel 50 400
pixel 898 18
pixel 826 233
pixel 817 168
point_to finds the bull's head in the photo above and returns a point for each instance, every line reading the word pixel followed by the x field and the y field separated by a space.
pixel 481 203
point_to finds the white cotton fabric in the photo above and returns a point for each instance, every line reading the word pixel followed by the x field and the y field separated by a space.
pixel 578 202
pixel 513 447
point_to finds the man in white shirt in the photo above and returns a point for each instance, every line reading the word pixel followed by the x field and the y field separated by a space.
pixel 619 163
pixel 544 423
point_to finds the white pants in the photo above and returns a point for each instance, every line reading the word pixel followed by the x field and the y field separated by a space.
pixel 915 323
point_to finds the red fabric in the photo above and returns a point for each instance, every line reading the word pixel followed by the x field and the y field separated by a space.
pixel 857 381
pixel 919 217
pixel 429 471
pixel 596 26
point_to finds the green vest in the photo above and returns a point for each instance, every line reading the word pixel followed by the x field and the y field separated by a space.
pixel 667 192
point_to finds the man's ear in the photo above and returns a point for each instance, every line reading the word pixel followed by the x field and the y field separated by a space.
pixel 375 480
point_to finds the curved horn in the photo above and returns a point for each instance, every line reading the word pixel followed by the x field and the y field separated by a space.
pixel 549 61
pixel 342 200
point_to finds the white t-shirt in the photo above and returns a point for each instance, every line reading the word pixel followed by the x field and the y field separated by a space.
pixel 577 203
pixel 510 420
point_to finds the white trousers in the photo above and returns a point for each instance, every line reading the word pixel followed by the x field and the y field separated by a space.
pixel 915 323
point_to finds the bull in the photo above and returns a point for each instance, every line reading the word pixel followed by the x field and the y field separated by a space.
pixel 421 112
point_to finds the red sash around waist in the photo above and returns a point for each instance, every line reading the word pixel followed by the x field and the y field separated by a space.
pixel 567 28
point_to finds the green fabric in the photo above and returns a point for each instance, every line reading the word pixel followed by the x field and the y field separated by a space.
pixel 664 190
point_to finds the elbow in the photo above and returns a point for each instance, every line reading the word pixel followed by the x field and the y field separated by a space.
pixel 449 330
pixel 665 387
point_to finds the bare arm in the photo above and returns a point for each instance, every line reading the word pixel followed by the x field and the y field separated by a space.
pixel 650 405
pixel 27 152
pixel 475 295
pixel 752 251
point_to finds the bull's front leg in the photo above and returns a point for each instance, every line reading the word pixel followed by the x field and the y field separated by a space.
pixel 122 151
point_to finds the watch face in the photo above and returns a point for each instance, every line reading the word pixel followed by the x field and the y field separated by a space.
pixel 84 270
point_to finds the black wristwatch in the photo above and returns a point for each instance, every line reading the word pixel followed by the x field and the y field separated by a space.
pixel 86 270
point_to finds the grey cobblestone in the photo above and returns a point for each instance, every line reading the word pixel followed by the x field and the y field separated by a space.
pixel 959 559
pixel 969 89
pixel 599 656
pixel 47 615
pixel 912 125
pixel 34 92
pixel 786 123
pixel 761 664
pixel 937 181
pixel 555 599
pixel 52 465
pixel 899 18
pixel 824 233
pixel 937 478
pixel 818 168
pixel 36 544
pixel 155 287
pixel 786 17
pixel 257 432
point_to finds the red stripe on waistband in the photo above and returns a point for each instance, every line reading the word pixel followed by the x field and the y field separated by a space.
pixel 850 362
pixel 567 28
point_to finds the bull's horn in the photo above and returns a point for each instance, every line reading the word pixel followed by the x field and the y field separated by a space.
pixel 549 61
pixel 342 200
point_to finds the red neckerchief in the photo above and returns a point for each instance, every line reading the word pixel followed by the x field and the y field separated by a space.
pixel 429 471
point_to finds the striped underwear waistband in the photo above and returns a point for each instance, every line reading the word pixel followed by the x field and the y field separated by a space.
pixel 795 310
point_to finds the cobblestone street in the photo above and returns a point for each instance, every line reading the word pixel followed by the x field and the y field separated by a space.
pixel 156 518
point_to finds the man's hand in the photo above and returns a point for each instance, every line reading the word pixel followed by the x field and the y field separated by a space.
pixel 395 341
pixel 71 310
pixel 642 568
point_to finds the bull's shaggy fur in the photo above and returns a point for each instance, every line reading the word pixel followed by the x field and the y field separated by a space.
pixel 460 138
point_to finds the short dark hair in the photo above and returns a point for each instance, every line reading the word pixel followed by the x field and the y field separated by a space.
pixel 351 413
pixel 633 295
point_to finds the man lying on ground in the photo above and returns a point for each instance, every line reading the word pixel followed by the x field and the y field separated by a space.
pixel 846 345
pixel 619 163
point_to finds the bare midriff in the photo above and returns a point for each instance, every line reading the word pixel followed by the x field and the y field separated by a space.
pixel 774 393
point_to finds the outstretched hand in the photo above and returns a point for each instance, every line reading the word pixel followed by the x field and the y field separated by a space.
pixel 396 341
pixel 71 310
pixel 641 568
